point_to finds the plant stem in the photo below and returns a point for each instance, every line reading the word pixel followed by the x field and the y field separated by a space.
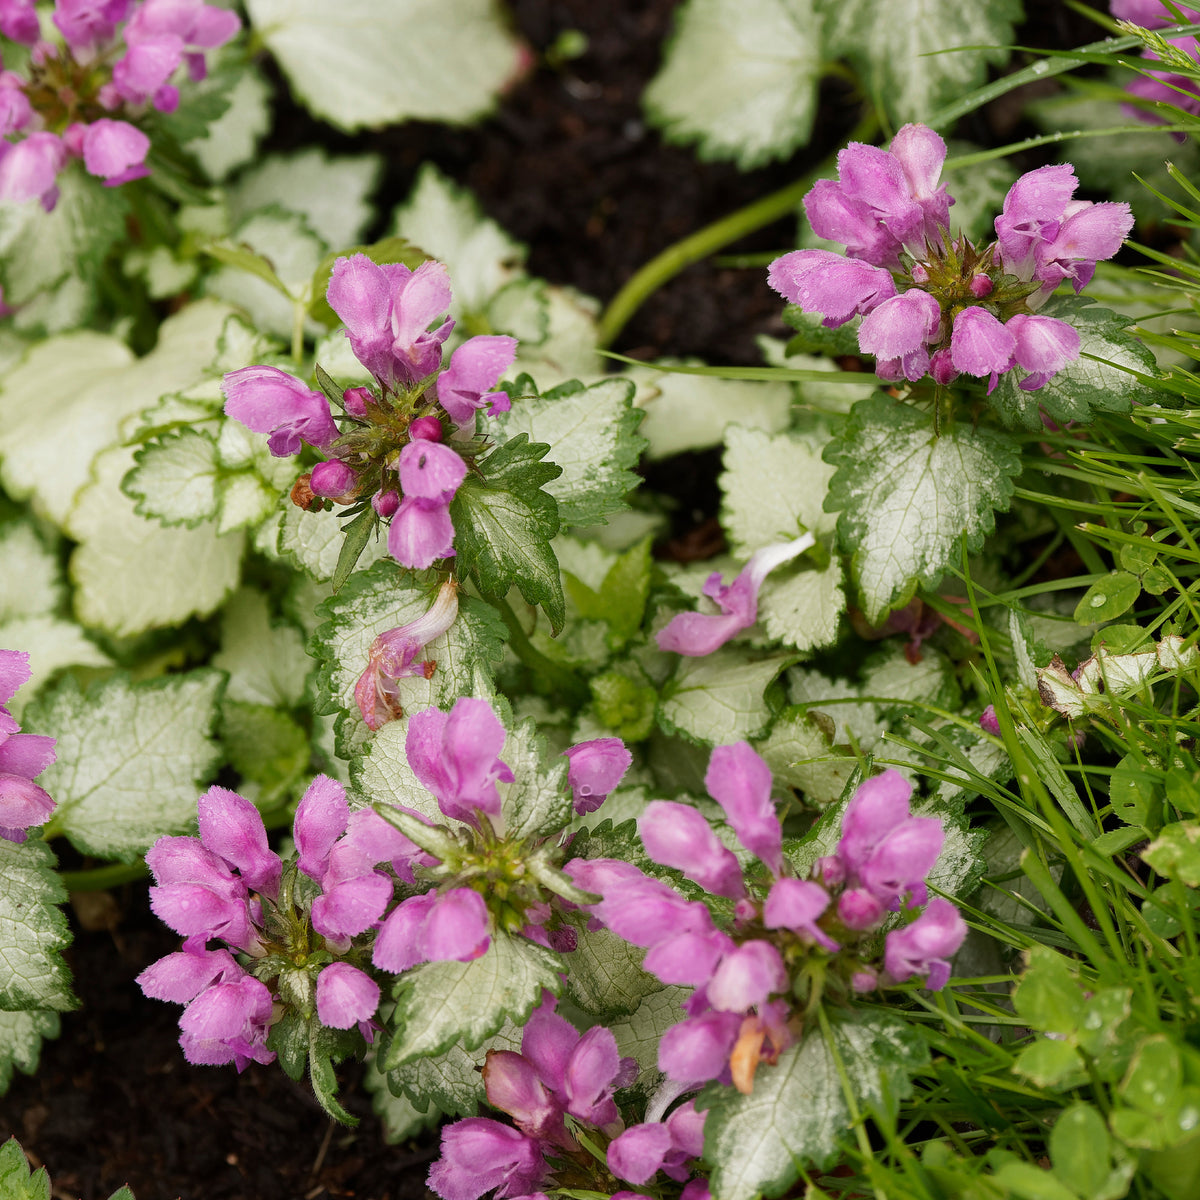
pixel 98 879
pixel 666 265
pixel 562 679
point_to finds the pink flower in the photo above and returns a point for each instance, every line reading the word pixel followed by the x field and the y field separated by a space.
pixel 29 168
pixel 345 996
pixel 740 782
pixel 597 767
pixel 268 400
pixel 475 368
pixel 677 835
pixel 823 282
pixel 925 946
pixel 450 926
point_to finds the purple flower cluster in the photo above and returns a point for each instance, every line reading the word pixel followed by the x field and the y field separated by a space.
pixel 560 1074
pixel 227 885
pixel 1161 86
pixel 933 304
pixel 746 977
pixel 23 757
pixel 696 634
pixel 406 443
pixel 115 56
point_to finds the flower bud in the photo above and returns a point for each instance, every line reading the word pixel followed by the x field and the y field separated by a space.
pixel 334 479
pixel 386 503
pixel 427 428
pixel 981 286
pixel 355 399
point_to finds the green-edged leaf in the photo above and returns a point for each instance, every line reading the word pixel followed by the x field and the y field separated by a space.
pixel 33 929
pixel 919 54
pixel 691 412
pixel 800 755
pixel 538 802
pixel 592 436
pixel 265 659
pixel 231 139
pixel 384 598
pixel 504 521
pixel 132 574
pixel 31 582
pixel 740 78
pixel 447 222
pixel 90 383
pixel 266 747
pixel 51 643
pixel 797 1112
pixel 720 698
pixel 131 758
pixel 21 1037
pixel 639 1034
pixel 400 1117
pixel 439 1004
pixel 906 495
pixel 341 61
pixel 175 479
pixel 314 540
pixel 331 194
pixel 1100 380
pixel 451 1082
pixel 39 249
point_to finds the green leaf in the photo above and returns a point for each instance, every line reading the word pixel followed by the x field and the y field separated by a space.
pixel 383 598
pixel 1100 380
pixel 131 758
pixel 1136 793
pixel 797 1112
pixel 504 521
pixel 231 139
pixel 33 929
pixel 1175 853
pixel 451 1082
pixel 1108 599
pixel 538 802
pixel 355 536
pixel 400 1117
pixel 719 698
pixel 1048 1063
pixel 340 62
pixel 175 479
pixel 606 977
pixel 1081 1151
pixel 314 541
pixel 917 55
pixel 591 434
pixel 740 78
pixel 1027 1182
pixel 639 1034
pixel 266 747
pixel 18 1181
pixel 21 1037
pixel 330 193
pixel 691 412
pixel 906 496
pixel 621 598
pixel 439 1004
pixel 131 574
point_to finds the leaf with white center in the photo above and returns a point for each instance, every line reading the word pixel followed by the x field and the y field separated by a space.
pixel 538 802
pixel 1089 385
pixel 451 1082
pixel 175 480
pixel 890 675
pixel 720 697
pixel 917 55
pixel 21 1036
pixel 31 582
pixel 773 488
pixel 39 250
pixel 131 574
pixel 232 138
pixel 691 412
pixel 341 60
pixel 313 540
pixel 90 383
pixel 33 928
pixel 400 1117
pixel 387 597
pixel 800 755
pixel 51 643
pixel 606 977
pixel 740 78
pixel 445 220
pixel 797 1113
pixel 568 350
pixel 265 659
pixel 803 608
pixel 592 436
pixel 639 1034
pixel 439 1004
pixel 906 495
pixel 131 758
pixel 293 250
pixel 331 194
pixel 383 775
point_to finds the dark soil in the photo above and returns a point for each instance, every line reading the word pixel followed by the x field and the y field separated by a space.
pixel 568 166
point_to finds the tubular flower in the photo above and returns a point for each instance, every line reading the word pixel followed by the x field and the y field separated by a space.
pixel 932 303
pixel 23 757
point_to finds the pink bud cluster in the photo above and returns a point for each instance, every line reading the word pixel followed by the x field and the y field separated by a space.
pixel 933 304
pixel 23 757
pixel 113 57
pixel 392 446
pixel 748 977
pixel 560 1074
